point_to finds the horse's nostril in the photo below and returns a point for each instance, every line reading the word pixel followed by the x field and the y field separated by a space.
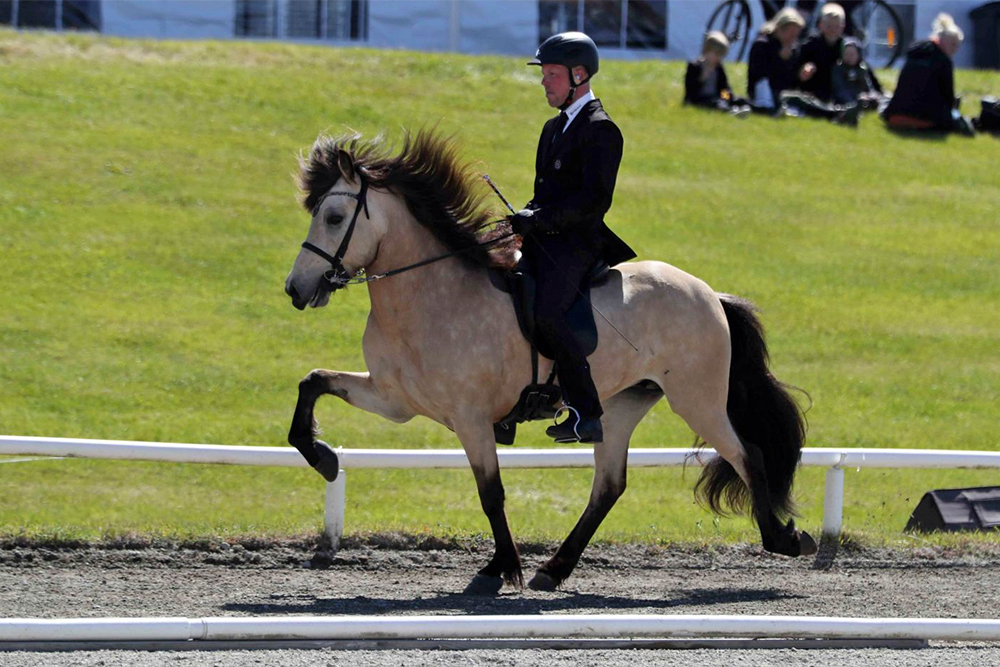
pixel 291 291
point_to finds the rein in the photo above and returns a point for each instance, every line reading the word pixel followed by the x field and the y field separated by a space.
pixel 337 276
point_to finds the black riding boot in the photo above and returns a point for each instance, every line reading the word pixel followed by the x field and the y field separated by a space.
pixel 583 404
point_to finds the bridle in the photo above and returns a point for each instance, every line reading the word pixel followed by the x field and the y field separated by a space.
pixel 337 276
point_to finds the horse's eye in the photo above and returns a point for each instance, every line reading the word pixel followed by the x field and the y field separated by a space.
pixel 333 219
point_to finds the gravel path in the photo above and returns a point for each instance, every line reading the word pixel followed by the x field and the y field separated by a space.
pixel 406 576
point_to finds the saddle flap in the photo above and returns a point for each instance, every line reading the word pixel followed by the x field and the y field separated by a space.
pixel 580 316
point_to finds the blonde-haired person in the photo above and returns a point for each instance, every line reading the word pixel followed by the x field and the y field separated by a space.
pixel 773 65
pixel 706 84
pixel 774 76
pixel 925 93
pixel 820 52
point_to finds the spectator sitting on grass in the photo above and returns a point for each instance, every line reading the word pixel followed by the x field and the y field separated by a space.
pixel 853 80
pixel 774 76
pixel 925 94
pixel 821 51
pixel 774 60
pixel 706 84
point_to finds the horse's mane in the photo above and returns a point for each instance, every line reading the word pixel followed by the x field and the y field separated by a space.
pixel 441 191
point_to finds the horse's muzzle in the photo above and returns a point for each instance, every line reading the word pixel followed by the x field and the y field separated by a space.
pixel 297 300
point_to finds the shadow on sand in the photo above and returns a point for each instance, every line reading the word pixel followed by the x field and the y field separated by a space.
pixel 507 603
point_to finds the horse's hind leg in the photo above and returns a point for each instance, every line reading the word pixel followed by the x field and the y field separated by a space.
pixel 622 413
pixel 505 566
pixel 711 423
pixel 355 388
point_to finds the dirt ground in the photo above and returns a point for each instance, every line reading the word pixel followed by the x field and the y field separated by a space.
pixel 401 575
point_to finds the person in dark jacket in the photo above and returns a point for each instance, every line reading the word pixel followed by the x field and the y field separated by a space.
pixel 774 60
pixel 774 74
pixel 706 84
pixel 925 93
pixel 820 52
pixel 853 80
pixel 563 230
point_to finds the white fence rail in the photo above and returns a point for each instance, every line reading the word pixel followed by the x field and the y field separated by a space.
pixel 835 460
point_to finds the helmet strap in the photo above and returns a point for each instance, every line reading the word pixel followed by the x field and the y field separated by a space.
pixel 572 89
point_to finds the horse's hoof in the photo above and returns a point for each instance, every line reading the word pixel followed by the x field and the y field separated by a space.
pixel 807 545
pixel 483 584
pixel 543 582
pixel 329 463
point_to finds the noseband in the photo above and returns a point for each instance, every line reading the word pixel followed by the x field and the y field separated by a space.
pixel 337 276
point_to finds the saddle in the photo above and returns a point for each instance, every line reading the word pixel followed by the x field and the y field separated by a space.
pixel 539 400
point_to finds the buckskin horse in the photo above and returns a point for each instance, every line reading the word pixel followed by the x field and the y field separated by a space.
pixel 442 342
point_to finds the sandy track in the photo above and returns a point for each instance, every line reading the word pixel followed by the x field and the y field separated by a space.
pixel 404 576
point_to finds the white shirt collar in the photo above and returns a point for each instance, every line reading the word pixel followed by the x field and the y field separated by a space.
pixel 574 109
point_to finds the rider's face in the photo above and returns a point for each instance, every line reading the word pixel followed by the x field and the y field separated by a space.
pixel 555 80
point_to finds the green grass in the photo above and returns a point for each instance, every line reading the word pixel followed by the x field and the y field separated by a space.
pixel 148 219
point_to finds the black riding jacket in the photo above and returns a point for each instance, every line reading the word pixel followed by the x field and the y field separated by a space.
pixel 575 176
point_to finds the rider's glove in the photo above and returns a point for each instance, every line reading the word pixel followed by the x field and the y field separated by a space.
pixel 523 222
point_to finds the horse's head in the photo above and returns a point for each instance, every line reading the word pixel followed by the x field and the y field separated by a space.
pixel 344 231
pixel 356 189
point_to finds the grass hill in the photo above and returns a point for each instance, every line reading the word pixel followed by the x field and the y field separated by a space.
pixel 148 219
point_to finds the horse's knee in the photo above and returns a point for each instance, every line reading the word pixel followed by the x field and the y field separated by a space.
pixel 313 383
pixel 318 382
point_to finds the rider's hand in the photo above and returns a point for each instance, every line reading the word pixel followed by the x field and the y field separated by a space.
pixel 807 72
pixel 523 222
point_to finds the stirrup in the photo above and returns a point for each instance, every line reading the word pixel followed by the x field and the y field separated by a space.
pixel 569 408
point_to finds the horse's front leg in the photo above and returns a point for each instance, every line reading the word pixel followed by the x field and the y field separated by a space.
pixel 622 413
pixel 505 566
pixel 355 388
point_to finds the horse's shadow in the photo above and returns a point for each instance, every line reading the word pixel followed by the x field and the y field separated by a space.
pixel 512 603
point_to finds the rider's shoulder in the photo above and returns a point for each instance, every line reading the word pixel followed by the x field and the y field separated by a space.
pixel 599 120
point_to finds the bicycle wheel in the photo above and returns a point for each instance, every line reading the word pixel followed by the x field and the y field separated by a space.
pixel 732 18
pixel 880 31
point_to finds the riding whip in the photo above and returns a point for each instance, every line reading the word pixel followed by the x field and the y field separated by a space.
pixel 486 177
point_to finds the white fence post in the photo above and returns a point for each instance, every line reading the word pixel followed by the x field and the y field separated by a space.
pixel 333 513
pixel 833 502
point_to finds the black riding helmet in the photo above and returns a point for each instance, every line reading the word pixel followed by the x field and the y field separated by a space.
pixel 569 49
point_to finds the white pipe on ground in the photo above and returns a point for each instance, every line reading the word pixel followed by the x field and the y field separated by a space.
pixel 495 627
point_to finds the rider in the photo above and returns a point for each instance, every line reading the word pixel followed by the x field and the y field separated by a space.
pixel 563 225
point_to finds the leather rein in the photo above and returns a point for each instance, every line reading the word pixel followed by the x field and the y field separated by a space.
pixel 337 276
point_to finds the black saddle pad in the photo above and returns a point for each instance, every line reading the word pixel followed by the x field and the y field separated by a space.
pixel 521 287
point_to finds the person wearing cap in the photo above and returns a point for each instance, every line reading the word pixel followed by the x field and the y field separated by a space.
pixel 853 81
pixel 562 227
pixel 820 52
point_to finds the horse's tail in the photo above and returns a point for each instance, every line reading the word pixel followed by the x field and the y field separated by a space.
pixel 763 414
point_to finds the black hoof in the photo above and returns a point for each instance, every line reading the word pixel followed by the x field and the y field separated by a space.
pixel 328 464
pixel 807 545
pixel 543 582
pixel 484 585
pixel 791 542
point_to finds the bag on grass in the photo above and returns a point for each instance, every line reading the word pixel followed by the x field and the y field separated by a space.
pixel 989 118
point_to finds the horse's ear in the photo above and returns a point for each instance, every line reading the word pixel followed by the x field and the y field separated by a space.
pixel 346 164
